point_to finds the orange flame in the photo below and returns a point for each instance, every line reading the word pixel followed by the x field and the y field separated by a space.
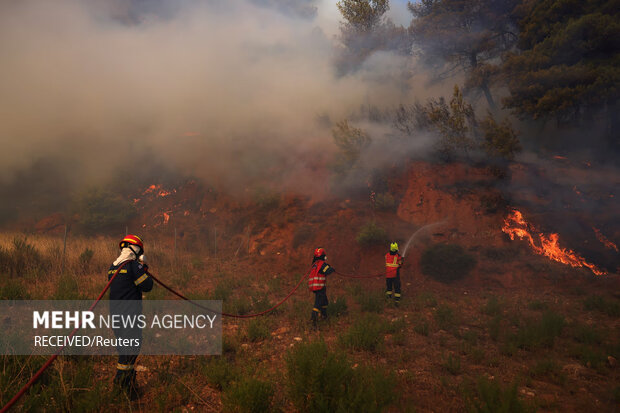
pixel 167 216
pixel 157 189
pixel 604 240
pixel 150 189
pixel 516 226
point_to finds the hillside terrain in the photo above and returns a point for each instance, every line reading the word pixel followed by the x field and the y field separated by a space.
pixel 519 330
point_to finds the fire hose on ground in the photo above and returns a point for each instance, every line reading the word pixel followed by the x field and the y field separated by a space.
pixel 49 361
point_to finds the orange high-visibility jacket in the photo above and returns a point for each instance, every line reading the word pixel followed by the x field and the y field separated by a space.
pixel 392 264
pixel 317 275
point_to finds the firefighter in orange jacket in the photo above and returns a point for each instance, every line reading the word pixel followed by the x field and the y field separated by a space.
pixel 393 262
pixel 318 275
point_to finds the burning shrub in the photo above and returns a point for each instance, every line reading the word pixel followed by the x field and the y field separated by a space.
pixel 371 234
pixel 446 262
pixel 100 210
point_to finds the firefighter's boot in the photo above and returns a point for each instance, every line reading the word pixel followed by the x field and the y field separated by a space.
pixel 315 317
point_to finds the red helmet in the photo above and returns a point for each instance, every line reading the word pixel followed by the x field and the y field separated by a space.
pixel 131 240
pixel 319 252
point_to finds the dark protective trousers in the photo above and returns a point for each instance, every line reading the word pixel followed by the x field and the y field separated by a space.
pixel 393 284
pixel 320 304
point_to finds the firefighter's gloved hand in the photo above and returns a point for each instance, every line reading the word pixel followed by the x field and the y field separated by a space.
pixel 142 259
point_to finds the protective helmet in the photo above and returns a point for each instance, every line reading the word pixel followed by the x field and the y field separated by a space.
pixel 394 247
pixel 132 240
pixel 319 252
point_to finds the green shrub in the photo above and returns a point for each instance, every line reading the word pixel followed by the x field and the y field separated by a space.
pixel 452 365
pixel 248 396
pixel 590 356
pixel 385 202
pixel 444 315
pixel 426 299
pixel 23 258
pixel 223 290
pixel 371 301
pixel 598 303
pixel 351 142
pixel 84 261
pixel 13 290
pixel 493 307
pixel 219 372
pixel 586 334
pixel 500 139
pixel 495 327
pixel 421 328
pixel 99 210
pixel 446 262
pixel 322 381
pixel 534 334
pixel 67 288
pixel 538 305
pixel 337 307
pixel 365 334
pixel 548 369
pixel 490 396
pixel 395 326
pixel 371 234
pixel 258 329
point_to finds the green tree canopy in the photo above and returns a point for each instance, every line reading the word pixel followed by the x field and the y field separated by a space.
pixel 365 29
pixel 569 61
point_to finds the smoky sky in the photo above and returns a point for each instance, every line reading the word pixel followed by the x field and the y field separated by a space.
pixel 213 88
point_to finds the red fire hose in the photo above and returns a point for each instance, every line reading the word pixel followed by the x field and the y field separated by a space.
pixel 381 274
pixel 228 314
pixel 49 361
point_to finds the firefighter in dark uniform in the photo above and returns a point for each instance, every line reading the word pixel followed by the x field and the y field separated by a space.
pixel 126 299
pixel 316 283
pixel 393 262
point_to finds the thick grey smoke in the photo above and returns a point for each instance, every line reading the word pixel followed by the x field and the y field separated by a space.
pixel 224 89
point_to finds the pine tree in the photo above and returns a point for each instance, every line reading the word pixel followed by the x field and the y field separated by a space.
pixel 456 36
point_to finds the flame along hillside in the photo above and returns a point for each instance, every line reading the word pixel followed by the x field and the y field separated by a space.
pixel 268 228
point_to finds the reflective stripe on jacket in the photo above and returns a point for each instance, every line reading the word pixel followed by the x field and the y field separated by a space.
pixel 317 277
pixel 392 264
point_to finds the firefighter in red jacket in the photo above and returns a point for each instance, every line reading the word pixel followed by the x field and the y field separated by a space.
pixel 318 275
pixel 393 262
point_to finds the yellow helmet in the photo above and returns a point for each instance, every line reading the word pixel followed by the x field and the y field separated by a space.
pixel 394 247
